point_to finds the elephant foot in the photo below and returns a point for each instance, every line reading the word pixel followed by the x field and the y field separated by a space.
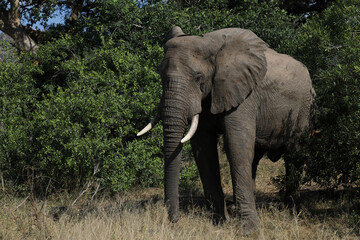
pixel 218 210
pixel 218 219
pixel 250 226
pixel 173 218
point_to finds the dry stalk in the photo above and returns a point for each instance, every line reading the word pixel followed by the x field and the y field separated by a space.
pixel 96 190
pixel 2 181
pixel 30 179
pixel 90 182
pixel 82 192
pixel 21 203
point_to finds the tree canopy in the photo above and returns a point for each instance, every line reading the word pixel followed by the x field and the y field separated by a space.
pixel 13 13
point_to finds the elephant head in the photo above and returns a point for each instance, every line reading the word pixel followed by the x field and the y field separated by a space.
pixel 225 65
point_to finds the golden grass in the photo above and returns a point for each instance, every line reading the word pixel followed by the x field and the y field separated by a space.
pixel 141 215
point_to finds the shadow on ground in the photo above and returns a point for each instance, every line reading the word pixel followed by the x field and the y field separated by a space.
pixel 319 203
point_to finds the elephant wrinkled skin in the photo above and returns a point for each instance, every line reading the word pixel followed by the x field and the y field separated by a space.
pixel 260 100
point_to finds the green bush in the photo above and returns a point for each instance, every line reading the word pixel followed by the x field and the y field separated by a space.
pixel 329 45
pixel 69 113
pixel 80 100
pixel 81 122
pixel 18 96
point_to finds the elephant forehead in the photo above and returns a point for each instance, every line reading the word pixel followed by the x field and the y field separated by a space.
pixel 184 61
pixel 193 43
pixel 183 55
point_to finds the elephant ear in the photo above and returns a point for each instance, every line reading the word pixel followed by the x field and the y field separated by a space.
pixel 240 65
pixel 176 32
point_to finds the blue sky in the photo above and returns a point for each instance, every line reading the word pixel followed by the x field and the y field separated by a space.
pixel 58 17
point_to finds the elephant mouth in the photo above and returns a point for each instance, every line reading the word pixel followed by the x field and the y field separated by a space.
pixel 188 136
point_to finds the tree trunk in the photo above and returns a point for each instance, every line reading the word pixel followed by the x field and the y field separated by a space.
pixel 23 41
pixel 10 23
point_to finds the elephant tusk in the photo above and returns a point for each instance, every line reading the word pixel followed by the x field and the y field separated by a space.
pixel 192 130
pixel 149 126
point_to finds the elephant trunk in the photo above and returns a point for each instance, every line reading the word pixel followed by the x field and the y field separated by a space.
pixel 174 120
pixel 172 154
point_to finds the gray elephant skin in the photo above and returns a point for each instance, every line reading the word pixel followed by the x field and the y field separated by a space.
pixel 229 82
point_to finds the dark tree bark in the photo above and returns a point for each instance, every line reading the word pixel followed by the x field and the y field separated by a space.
pixel 25 38
pixel 297 7
pixel 305 6
pixel 10 23
pixel 78 7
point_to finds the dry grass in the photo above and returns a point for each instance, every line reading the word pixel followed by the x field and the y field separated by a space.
pixel 141 215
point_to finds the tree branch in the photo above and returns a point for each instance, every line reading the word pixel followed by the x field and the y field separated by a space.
pixel 10 23
pixel 15 12
pixel 24 36
pixel 2 24
pixel 3 15
pixel 67 2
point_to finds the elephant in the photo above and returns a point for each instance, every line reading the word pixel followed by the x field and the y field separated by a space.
pixel 231 83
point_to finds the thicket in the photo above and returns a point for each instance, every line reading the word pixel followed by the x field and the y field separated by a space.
pixel 329 45
pixel 69 112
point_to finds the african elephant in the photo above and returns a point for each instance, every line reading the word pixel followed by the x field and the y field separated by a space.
pixel 229 82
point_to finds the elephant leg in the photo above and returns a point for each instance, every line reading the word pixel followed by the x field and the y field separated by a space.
pixel 240 146
pixel 204 146
pixel 257 157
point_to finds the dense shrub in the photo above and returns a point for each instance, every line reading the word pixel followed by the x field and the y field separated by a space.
pixel 77 103
pixel 70 112
pixel 18 97
pixel 329 45
pixel 81 121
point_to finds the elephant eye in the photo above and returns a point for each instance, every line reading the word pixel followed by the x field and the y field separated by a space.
pixel 198 77
pixel 202 87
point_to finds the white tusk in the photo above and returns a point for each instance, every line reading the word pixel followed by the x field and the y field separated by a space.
pixel 192 130
pixel 149 126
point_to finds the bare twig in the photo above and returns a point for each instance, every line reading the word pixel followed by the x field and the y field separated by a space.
pixel 138 26
pixel 96 190
pixel 96 169
pixel 2 182
pixel 82 193
pixel 47 188
pixel 22 203
pixel 46 191
pixel 30 178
